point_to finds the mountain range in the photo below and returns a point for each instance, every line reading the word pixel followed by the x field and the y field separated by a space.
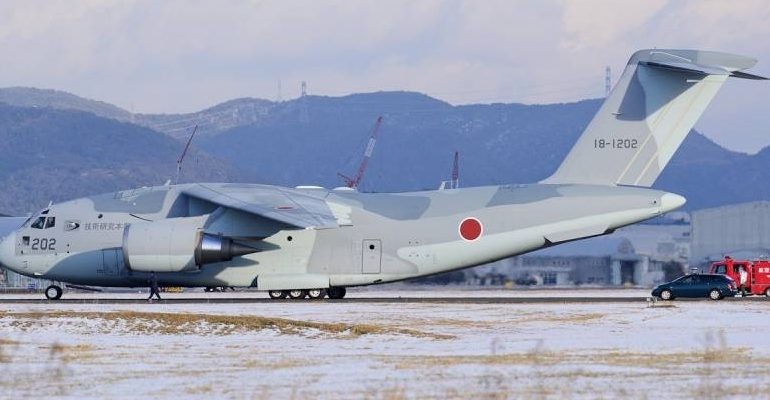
pixel 55 145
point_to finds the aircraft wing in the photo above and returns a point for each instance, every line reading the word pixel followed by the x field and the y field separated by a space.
pixel 290 207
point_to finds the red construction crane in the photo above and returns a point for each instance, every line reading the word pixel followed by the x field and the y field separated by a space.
pixel 184 153
pixel 454 182
pixel 353 182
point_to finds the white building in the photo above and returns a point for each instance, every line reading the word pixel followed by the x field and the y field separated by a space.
pixel 739 230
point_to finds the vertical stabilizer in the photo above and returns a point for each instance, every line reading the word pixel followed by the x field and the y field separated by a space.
pixel 658 99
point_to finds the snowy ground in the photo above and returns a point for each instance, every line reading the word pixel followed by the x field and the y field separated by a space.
pixel 387 350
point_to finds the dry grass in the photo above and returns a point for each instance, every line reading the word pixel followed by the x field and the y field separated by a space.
pixel 183 323
pixel 524 318
pixel 560 318
pixel 69 353
pixel 452 323
pixel 7 347
pixel 616 358
pixel 274 364
pixel 200 389
pixel 709 373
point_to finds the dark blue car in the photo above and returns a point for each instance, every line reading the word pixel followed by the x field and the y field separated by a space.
pixel 713 286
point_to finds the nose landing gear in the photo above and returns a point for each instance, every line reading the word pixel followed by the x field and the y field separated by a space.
pixel 53 292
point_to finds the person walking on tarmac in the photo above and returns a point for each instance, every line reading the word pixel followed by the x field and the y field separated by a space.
pixel 154 291
pixel 743 277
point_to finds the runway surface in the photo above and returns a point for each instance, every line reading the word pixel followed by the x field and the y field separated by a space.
pixel 226 299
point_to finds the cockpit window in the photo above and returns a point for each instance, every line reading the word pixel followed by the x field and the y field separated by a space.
pixel 44 223
pixel 39 223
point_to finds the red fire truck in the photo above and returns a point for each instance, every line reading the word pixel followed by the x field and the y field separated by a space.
pixel 757 273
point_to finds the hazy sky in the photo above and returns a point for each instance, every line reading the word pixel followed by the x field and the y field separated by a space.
pixel 174 56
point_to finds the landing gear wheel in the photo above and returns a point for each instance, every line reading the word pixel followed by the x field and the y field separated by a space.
pixel 666 295
pixel 297 294
pixel 53 292
pixel 316 294
pixel 336 292
pixel 277 294
pixel 715 295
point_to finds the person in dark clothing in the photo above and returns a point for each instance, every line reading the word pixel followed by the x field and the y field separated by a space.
pixel 154 290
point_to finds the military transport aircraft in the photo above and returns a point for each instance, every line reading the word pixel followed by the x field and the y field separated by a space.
pixel 312 242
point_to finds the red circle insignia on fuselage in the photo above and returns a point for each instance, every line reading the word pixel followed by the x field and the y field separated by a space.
pixel 471 229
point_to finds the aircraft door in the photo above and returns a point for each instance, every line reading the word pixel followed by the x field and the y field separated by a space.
pixel 111 262
pixel 372 256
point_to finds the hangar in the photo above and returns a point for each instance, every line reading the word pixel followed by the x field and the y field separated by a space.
pixel 739 230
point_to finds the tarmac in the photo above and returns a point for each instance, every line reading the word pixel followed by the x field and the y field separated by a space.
pixel 139 299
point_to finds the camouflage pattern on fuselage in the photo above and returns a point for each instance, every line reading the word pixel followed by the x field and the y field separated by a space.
pixel 379 237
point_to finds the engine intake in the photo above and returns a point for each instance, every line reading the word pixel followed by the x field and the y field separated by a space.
pixel 176 245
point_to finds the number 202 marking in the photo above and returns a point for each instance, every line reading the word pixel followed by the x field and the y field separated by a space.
pixel 43 244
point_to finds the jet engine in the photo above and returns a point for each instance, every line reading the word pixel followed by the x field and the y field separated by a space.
pixel 176 245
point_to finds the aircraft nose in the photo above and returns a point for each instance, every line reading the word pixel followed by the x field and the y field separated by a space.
pixel 671 201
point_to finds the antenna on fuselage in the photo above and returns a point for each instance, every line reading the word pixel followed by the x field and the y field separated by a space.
pixel 184 153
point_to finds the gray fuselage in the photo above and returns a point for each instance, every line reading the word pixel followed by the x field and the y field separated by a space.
pixel 379 238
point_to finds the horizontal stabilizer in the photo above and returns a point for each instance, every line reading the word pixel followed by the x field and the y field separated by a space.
pixel 744 75
pixel 701 69
pixel 683 67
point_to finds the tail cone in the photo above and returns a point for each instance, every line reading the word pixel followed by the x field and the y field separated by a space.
pixel 240 249
pixel 215 248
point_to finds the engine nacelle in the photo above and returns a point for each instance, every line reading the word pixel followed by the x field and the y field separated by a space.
pixel 176 245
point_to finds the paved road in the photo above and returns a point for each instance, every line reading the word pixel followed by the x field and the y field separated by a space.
pixel 438 300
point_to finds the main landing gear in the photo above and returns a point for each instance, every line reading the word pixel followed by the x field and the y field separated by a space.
pixel 336 292
pixel 53 292
pixel 312 294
